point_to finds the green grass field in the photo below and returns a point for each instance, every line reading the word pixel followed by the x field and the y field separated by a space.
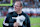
pixel 35 22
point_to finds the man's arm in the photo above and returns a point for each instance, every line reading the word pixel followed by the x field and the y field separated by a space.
pixel 6 21
pixel 27 21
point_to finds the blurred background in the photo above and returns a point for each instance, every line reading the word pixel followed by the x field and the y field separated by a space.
pixel 4 1
pixel 30 7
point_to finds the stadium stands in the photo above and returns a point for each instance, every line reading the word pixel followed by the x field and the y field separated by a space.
pixel 31 7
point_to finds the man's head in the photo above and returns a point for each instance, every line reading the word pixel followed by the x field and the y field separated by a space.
pixel 18 6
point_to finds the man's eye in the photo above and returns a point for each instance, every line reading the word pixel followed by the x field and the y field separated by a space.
pixel 17 6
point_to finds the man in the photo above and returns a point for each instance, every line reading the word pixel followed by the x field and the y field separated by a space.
pixel 12 19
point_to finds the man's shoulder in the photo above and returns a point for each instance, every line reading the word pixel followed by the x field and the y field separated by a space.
pixel 26 15
pixel 11 13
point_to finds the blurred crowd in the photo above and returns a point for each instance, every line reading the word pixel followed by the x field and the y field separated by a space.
pixel 4 1
pixel 31 4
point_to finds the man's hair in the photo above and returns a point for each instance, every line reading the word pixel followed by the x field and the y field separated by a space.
pixel 21 3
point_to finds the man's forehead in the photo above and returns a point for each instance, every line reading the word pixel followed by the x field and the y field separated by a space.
pixel 17 3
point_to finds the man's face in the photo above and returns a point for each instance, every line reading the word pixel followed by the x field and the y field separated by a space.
pixel 17 6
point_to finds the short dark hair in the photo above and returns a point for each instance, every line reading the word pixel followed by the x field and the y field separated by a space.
pixel 21 4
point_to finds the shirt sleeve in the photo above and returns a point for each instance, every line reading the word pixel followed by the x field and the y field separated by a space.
pixel 26 22
pixel 6 21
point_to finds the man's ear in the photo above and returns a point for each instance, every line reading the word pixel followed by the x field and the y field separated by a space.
pixel 21 6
